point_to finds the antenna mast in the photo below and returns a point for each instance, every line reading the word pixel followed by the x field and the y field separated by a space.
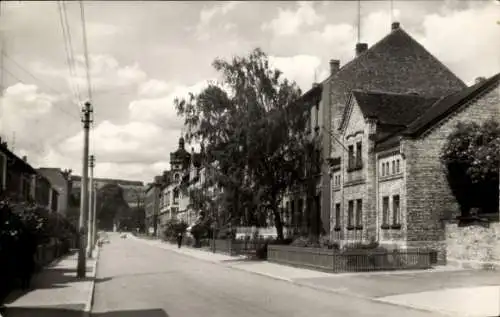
pixel 359 21
pixel 392 11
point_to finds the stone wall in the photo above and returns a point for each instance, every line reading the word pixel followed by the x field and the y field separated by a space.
pixel 473 243
pixel 429 198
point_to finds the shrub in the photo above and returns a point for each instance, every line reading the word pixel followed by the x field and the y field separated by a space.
pixel 172 228
pixel 471 157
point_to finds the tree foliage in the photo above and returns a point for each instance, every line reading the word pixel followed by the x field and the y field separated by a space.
pixel 471 156
pixel 253 128
pixel 111 207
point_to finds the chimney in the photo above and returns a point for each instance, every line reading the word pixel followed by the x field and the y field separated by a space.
pixel 394 26
pixel 361 48
pixel 479 80
pixel 25 158
pixel 334 66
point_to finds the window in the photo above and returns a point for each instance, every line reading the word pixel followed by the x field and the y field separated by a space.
pixel 176 196
pixel 337 215
pixel 385 210
pixel 359 212
pixel 351 157
pixel 397 166
pixel 176 177
pixel 387 168
pixel 393 167
pixel 350 213
pixel 395 210
pixel 382 169
pixel 359 160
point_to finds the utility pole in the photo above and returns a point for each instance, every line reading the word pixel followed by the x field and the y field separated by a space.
pixel 90 238
pixel 94 213
pixel 84 202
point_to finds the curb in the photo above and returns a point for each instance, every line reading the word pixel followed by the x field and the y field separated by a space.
pixel 90 299
pixel 342 292
pixel 315 287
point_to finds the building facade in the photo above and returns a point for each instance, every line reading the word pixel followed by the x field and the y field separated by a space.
pixel 395 64
pixel 390 185
pixel 152 197
pixel 61 182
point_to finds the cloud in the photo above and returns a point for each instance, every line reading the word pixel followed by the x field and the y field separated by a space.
pixel 472 49
pixel 161 110
pixel 105 72
pixel 289 22
pixel 207 15
pixel 95 29
pixel 153 88
pixel 21 109
pixel 300 68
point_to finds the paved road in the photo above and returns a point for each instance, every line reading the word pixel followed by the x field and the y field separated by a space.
pixel 140 280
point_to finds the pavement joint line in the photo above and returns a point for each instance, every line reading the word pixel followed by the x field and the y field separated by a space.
pixel 88 305
pixel 308 285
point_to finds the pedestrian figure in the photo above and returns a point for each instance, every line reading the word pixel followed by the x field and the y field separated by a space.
pixel 179 240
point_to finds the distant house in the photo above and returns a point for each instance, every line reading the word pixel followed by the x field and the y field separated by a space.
pixel 152 196
pixel 389 184
pixel 15 175
pixel 61 182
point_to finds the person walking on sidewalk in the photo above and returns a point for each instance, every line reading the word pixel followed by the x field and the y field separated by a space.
pixel 179 240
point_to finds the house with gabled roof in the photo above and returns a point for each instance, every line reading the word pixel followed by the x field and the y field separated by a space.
pixel 397 64
pixel 389 184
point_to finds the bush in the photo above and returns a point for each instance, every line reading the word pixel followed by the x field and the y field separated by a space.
pixel 172 228
pixel 471 157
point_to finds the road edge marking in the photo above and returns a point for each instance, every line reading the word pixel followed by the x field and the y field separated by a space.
pixel 90 299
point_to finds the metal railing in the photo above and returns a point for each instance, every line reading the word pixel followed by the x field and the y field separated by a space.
pixel 351 260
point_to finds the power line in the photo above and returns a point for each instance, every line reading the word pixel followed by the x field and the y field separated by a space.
pixel 86 51
pixel 68 47
pixel 55 91
pixel 23 82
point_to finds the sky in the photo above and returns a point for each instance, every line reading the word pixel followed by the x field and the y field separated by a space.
pixel 144 54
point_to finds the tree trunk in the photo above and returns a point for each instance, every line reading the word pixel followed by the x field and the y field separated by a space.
pixel 278 223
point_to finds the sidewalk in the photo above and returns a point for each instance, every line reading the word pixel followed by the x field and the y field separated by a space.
pixel 438 289
pixel 56 291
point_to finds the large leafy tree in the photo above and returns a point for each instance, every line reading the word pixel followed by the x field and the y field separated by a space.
pixel 471 156
pixel 111 206
pixel 252 127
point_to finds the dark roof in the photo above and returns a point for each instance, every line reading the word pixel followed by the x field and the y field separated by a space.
pixel 18 162
pixel 392 108
pixel 396 63
pixel 439 110
pixel 449 104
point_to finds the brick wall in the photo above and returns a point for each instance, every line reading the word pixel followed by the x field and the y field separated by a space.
pixel 473 243
pixel 429 198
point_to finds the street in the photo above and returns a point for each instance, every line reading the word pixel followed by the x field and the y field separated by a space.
pixel 137 279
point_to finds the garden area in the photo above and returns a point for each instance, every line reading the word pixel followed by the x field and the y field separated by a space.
pixel 30 238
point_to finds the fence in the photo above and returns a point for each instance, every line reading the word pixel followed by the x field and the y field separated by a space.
pixel 350 261
pixel 47 253
pixel 236 247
